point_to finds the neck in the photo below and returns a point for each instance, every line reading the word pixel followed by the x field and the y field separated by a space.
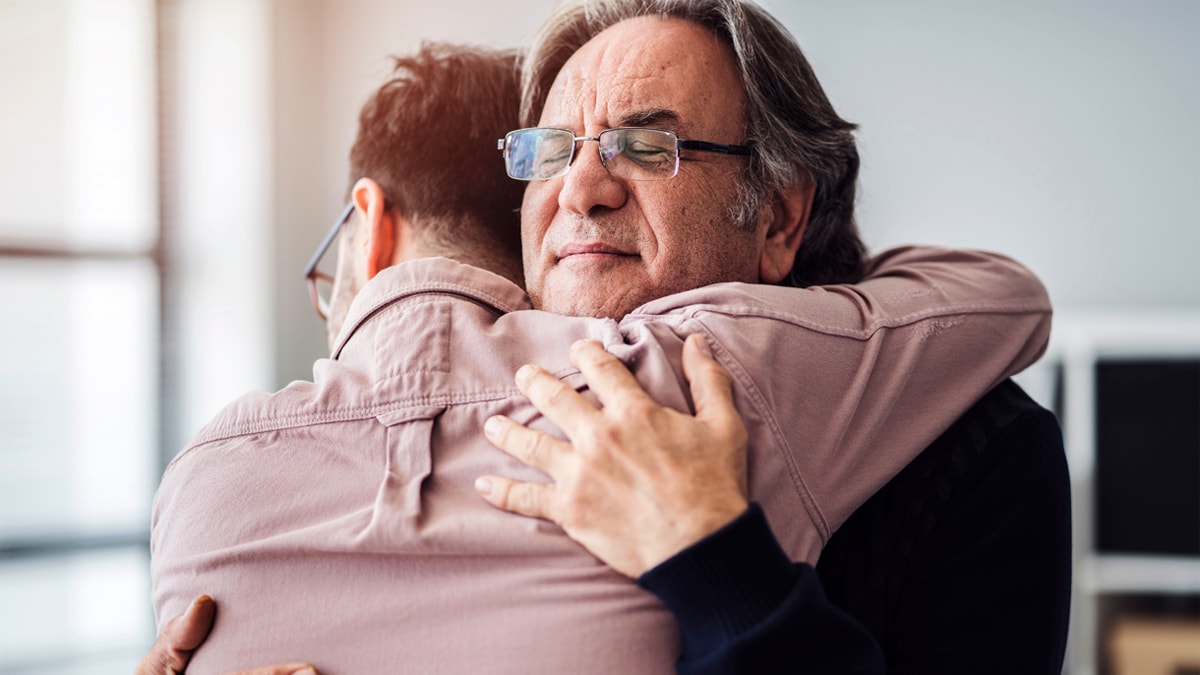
pixel 495 262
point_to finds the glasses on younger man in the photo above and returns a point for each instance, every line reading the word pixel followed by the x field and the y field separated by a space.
pixel 319 283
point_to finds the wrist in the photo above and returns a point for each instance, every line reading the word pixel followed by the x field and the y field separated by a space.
pixel 698 527
pixel 725 583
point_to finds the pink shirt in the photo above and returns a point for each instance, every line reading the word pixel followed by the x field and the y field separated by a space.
pixel 335 521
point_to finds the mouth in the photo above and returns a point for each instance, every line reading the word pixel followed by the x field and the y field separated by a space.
pixel 575 250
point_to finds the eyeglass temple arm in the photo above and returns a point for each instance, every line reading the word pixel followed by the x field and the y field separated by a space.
pixel 328 240
pixel 705 146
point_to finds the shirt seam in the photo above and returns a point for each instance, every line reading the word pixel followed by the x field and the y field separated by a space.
pixel 782 447
pixel 697 311
pixel 346 414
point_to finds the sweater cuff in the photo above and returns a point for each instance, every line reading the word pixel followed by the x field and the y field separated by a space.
pixel 725 584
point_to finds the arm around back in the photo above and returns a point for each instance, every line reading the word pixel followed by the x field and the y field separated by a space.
pixel 962 563
pixel 744 607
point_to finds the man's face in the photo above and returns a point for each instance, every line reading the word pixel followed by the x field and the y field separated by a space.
pixel 596 245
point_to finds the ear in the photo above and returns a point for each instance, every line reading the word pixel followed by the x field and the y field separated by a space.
pixel 789 214
pixel 379 224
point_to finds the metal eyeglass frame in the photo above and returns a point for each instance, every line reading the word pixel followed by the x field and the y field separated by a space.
pixel 312 274
pixel 680 144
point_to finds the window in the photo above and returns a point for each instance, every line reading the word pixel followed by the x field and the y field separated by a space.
pixel 80 287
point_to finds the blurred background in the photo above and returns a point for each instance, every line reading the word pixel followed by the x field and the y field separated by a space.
pixel 167 167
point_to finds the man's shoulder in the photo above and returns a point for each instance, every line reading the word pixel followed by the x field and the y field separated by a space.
pixel 296 405
pixel 440 275
pixel 729 297
pixel 749 313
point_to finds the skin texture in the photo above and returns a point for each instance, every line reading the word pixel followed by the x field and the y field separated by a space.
pixel 185 633
pixel 595 245
pixel 619 472
pixel 179 638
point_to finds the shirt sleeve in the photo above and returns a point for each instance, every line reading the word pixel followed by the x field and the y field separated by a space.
pixel 841 386
pixel 744 607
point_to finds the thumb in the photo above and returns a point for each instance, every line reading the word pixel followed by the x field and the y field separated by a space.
pixel 711 384
pixel 186 632
pixel 712 393
pixel 180 636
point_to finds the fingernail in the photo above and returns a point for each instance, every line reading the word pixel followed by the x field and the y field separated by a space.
pixel 492 426
pixel 524 373
pixel 483 486
pixel 304 671
pixel 197 603
pixel 702 344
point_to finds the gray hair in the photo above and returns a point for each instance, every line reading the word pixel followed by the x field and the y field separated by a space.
pixel 789 120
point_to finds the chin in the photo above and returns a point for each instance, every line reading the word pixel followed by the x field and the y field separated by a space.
pixel 581 306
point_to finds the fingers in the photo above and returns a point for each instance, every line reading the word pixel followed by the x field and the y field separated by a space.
pixel 526 499
pixel 534 448
pixel 607 377
pixel 712 392
pixel 711 385
pixel 161 660
pixel 182 635
pixel 554 398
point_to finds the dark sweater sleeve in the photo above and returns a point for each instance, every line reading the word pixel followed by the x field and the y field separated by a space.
pixel 744 607
pixel 962 562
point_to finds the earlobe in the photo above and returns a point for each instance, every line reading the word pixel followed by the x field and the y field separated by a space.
pixel 790 210
pixel 371 205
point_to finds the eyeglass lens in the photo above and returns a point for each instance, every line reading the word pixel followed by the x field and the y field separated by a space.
pixel 320 289
pixel 628 153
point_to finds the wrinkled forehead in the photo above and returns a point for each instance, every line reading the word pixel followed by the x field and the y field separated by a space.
pixel 648 71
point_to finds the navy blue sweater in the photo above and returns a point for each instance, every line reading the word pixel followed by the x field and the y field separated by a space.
pixel 960 564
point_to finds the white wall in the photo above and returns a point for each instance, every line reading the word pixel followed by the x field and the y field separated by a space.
pixel 1065 134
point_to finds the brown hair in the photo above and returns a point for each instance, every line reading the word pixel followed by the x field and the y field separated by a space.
pixel 789 120
pixel 428 137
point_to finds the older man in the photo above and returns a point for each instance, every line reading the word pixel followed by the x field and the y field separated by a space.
pixel 629 238
pixel 759 140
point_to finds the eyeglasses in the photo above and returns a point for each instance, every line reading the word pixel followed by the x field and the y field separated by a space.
pixel 631 153
pixel 315 276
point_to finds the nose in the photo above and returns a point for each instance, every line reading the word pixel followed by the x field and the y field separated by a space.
pixel 589 186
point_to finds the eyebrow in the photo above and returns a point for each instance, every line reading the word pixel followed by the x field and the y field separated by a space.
pixel 651 118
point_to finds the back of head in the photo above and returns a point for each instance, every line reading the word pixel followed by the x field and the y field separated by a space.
pixel 428 137
pixel 789 120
